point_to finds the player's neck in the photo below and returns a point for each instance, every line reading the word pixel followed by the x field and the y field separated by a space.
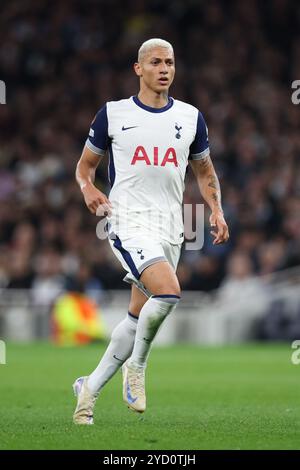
pixel 154 100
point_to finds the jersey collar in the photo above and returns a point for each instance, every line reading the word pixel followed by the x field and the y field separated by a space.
pixel 154 110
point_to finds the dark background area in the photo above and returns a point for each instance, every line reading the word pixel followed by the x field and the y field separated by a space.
pixel 61 61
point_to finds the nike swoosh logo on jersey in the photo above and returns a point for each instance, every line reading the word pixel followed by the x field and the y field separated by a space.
pixel 126 128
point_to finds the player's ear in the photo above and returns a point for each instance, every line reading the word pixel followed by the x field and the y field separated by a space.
pixel 137 69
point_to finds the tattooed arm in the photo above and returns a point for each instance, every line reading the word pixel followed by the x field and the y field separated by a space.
pixel 210 189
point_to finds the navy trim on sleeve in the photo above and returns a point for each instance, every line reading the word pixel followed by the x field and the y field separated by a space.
pixel 94 149
pixel 200 147
pixel 98 139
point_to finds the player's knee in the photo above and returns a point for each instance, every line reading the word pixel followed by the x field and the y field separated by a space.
pixel 175 291
pixel 172 290
pixel 135 309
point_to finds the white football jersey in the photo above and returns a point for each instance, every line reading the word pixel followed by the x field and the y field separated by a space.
pixel 149 149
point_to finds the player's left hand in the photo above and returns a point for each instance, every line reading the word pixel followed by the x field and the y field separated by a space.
pixel 220 232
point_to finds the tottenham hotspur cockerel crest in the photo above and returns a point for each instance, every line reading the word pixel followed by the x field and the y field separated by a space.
pixel 178 129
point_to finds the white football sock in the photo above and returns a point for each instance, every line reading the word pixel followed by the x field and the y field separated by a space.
pixel 118 350
pixel 151 318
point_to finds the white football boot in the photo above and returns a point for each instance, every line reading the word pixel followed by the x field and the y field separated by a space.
pixel 84 412
pixel 134 387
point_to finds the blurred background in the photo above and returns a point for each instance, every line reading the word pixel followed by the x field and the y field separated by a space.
pixel 235 61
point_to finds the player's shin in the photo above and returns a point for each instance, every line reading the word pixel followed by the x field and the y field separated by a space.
pixel 118 350
pixel 151 318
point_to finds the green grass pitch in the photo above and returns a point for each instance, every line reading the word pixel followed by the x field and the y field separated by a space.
pixel 237 397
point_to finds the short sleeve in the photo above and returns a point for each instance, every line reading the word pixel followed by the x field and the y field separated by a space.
pixel 200 146
pixel 97 140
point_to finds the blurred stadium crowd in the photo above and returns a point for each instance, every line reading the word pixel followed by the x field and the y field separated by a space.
pixel 61 62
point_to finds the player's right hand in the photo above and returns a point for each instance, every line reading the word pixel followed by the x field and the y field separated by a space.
pixel 96 201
